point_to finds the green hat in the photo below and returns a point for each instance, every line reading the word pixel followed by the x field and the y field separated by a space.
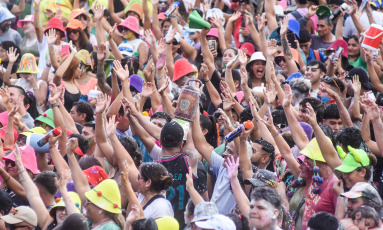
pixel 312 151
pixel 197 22
pixel 356 158
pixel 323 10
pixel 47 118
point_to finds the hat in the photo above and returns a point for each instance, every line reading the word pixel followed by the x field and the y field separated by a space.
pixel 293 76
pixel 126 49
pixel 161 16
pixel 106 196
pixel 263 178
pixel 55 23
pixel 213 32
pixel 77 12
pixel 95 175
pixel 75 198
pixel 363 77
pixel 291 6
pixel 74 221
pixel 363 189
pixel 131 23
pixel 27 18
pixel 376 3
pixel 182 67
pixel 84 57
pixel 356 158
pixel 167 223
pixel 38 130
pixel 21 214
pixel 28 157
pixel 323 10
pixel 255 57
pixel 215 12
pixel 74 24
pixel 2 133
pixel 5 15
pixel 294 27
pixel 177 36
pixel 249 47
pixel 204 211
pixel 4 118
pixel 28 64
pixel 342 43
pixel 47 118
pixel 220 222
pixel 281 55
pixel 301 160
pixel 171 134
pixel 195 21
pixel 136 8
pixel 279 11
pixel 137 82
pixel 312 150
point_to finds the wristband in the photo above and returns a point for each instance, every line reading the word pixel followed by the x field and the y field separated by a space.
pixel 275 134
pixel 57 104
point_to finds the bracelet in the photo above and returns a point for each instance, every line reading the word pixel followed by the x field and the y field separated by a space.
pixel 275 134
pixel 51 147
pixel 6 180
pixel 9 133
pixel 57 104
pixel 207 80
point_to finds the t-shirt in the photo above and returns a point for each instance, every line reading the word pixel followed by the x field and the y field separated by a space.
pixel 325 201
pixel 349 28
pixel 160 207
pixel 358 63
pixel 111 225
pixel 29 122
pixel 317 43
pixel 11 35
pixel 303 11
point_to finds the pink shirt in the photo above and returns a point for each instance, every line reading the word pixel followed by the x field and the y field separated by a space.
pixel 303 12
pixel 325 201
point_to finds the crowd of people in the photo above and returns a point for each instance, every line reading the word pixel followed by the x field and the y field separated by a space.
pixel 169 114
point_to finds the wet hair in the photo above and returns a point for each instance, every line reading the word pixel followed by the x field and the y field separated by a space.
pixel 88 161
pixel 208 123
pixel 366 212
pixel 246 115
pixel 267 194
pixel 267 147
pixel 320 64
pixel 370 203
pixel 131 146
pixel 304 36
pixel 46 180
pixel 161 115
pixel 331 112
pixel 5 202
pixel 241 221
pixel 161 179
pixel 279 118
pixel 144 224
pixel 317 105
pixel 323 220
pixel 82 142
pixel 84 107
pixel 349 136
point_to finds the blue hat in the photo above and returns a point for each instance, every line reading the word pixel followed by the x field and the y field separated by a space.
pixel 294 26
pixel 293 76
pixel 137 82
pixel 5 15
pixel 377 3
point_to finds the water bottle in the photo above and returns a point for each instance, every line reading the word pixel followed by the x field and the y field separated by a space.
pixel 56 131
pixel 235 133
pixel 241 39
pixel 173 8
pixel 344 6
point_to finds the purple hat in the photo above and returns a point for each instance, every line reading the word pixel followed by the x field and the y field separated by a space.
pixel 306 127
pixel 137 82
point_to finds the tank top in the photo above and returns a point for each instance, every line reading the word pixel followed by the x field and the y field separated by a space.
pixel 135 44
pixel 85 88
pixel 70 99
pixel 34 49
pixel 27 86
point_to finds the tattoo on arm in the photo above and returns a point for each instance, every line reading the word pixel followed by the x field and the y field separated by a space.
pixel 101 77
pixel 286 49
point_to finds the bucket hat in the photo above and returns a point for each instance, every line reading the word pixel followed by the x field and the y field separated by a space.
pixel 77 12
pixel 28 18
pixel 55 23
pixel 167 223
pixel 74 24
pixel 75 198
pixel 28 157
pixel 312 150
pixel 131 23
pixel 47 118
pixel 182 67
pixel 255 57
pixel 323 10
pixel 136 8
pixel 213 32
pixel 28 64
pixel 106 196
pixel 204 211
pixel 84 57
pixel 220 222
pixel 5 15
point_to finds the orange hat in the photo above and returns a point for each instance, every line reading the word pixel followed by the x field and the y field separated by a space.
pixel 136 8
pixel 294 52
pixel 182 67
pixel 74 24
pixel 77 12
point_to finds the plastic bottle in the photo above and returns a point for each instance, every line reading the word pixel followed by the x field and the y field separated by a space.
pixel 344 6
pixel 173 8
pixel 241 39
pixel 230 137
pixel 56 131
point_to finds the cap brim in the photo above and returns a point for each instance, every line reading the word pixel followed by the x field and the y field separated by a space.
pixel 367 85
pixel 11 220
pixel 345 168
pixel 351 195
pixel 205 225
pixel 255 182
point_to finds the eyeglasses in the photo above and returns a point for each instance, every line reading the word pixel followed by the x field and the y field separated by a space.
pixel 311 68
pixel 11 162
pixel 128 49
pixel 87 202
pixel 174 43
pixel 73 31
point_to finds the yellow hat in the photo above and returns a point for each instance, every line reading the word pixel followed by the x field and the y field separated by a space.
pixel 38 130
pixel 84 57
pixel 167 223
pixel 312 150
pixel 28 64
pixel 75 198
pixel 106 196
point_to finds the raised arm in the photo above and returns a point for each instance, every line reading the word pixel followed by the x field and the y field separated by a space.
pixel 36 22
pixel 270 15
pixel 291 65
pixel 61 183
pixel 374 79
pixel 230 27
pixel 65 65
pixel 12 58
pixel 194 195
pixel 101 79
pixel 366 135
pixel 206 53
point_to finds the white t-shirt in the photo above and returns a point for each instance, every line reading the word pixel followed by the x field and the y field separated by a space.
pixel 160 207
pixel 349 28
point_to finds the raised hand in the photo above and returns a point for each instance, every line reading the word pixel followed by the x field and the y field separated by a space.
pixel 102 103
pixel 101 52
pixel 356 86
pixel 261 23
pixel 12 56
pixel 98 12
pixel 54 93
pixel 189 180
pixel 227 123
pixel 284 26
pixel 149 73
pixel 72 47
pixel 71 145
pixel 149 38
pixel 64 179
pixel 125 174
pixel 272 48
pixel 245 133
pixel 14 110
pixel 243 74
pixel 4 93
pixel 164 86
pixel 111 32
pixel 51 36
pixel 204 71
pixel 148 89
pixel 234 17
pixel 312 10
pixel 270 93
pixel 129 108
pixel 111 126
pixel 17 155
pixel 309 116
pixel 286 103
pixel 270 122
pixel 242 57
pixel 327 90
pixel 232 167
pixel 227 100
pixel 216 22
pixel 161 45
pixel 170 37
pixel 122 73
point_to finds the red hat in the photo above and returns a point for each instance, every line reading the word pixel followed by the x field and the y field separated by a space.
pixel 182 67
pixel 249 47
pixel 131 23
pixel 2 133
pixel 28 157
pixel 55 23
pixel 77 150
pixel 342 43
pixel 161 16
pixel 95 175
pixel 4 118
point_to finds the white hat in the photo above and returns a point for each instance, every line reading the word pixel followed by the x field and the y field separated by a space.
pixel 215 12
pixel 21 214
pixel 279 11
pixel 220 222
pixel 255 57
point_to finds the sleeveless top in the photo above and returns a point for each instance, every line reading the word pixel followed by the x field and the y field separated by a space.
pixel 34 49
pixel 27 86
pixel 70 99
pixel 135 43
pixel 85 88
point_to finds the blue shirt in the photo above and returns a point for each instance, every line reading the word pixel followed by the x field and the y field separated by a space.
pixel 311 56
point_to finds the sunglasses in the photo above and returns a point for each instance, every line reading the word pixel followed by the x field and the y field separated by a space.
pixel 11 162
pixel 124 29
pixel 175 43
pixel 21 139
pixel 163 3
pixel 73 31
pixel 125 49
pixel 311 68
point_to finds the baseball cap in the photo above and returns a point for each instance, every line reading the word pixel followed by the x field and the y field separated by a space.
pixel 363 189
pixel 293 76
pixel 356 158
pixel 21 214
pixel 220 222
pixel 363 77
pixel 263 178
pixel 171 134
pixel 204 211
pixel 137 82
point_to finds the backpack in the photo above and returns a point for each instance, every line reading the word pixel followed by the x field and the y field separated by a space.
pixel 317 55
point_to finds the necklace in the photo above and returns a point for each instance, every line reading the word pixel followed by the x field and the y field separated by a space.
pixel 101 221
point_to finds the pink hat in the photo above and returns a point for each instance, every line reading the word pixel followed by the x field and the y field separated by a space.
pixel 28 18
pixel 213 32
pixel 131 23
pixel 2 133
pixel 4 118
pixel 249 47
pixel 239 95
pixel 161 16
pixel 28 157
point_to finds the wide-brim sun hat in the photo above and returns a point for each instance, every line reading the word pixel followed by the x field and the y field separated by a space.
pixel 28 18
pixel 75 198
pixel 28 64
pixel 106 196
pixel 28 157
pixel 131 23
pixel 312 150
pixel 136 8
pixel 255 57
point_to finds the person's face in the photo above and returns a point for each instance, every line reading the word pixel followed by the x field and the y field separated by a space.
pixel 354 204
pixel 365 223
pixel 259 68
pixel 28 27
pixel 306 173
pixel 14 95
pixel 282 63
pixel 323 28
pixel 26 75
pixel 229 151
pixel 175 45
pixel 159 122
pixel 74 34
pixel 163 5
pixel 92 210
pixel 194 35
pixel 350 179
pixel 262 214
pixel 305 47
pixel 335 124
pixel 165 27
pixel 83 19
pixel 333 7
pixel 61 214
pixel 228 55
pixel 77 117
pixel 20 226
pixel 143 186
pixel 3 54
pixel 353 47
pixel 11 168
pixel 313 73
pixel 123 122
pixel 88 133
pixel 4 26
pixel 258 157
pixel 280 78
pixel 182 81
pixel 300 113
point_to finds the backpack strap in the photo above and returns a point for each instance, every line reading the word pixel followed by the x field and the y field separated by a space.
pixel 151 200
pixel 297 15
pixel 317 55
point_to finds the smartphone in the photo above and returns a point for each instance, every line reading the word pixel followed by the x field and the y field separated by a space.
pixel 363 4
pixel 161 61
pixel 371 95
pixel 212 45
pixel 337 53
pixel 375 53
